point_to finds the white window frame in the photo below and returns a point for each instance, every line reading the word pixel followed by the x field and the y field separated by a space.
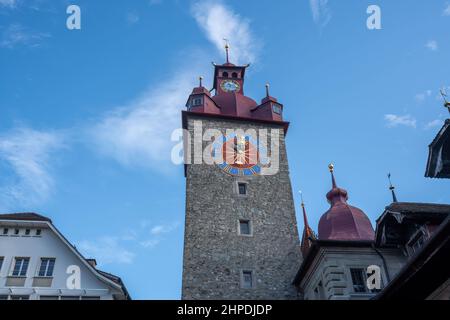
pixel 21 267
pixel 46 267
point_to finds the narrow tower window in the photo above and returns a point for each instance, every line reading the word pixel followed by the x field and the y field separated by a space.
pixel 244 227
pixel 225 74
pixel 234 75
pixel 242 188
pixel 247 279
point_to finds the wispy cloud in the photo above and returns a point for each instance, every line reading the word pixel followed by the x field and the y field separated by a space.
pixel 320 11
pixel 27 153
pixel 422 96
pixel 8 3
pixel 132 17
pixel 17 35
pixel 219 22
pixel 447 9
pixel 432 45
pixel 106 250
pixel 393 120
pixel 122 249
pixel 138 134
pixel 433 124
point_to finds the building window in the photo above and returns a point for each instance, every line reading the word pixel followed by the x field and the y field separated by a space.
pixel 16 232
pixel 234 75
pixel 5 231
pixel 276 108
pixel 38 232
pixel 242 188
pixel 20 267
pixel 47 266
pixel 27 232
pixel 196 102
pixel 1 263
pixel 245 227
pixel 359 279
pixel 247 279
pixel 225 74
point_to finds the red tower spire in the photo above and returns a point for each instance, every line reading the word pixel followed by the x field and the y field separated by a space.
pixel 308 234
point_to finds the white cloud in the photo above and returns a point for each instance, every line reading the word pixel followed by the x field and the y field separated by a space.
pixel 447 9
pixel 139 133
pixel 161 229
pixel 27 153
pixel 420 97
pixel 17 35
pixel 106 250
pixel 8 3
pixel 122 249
pixel 132 17
pixel 320 11
pixel 432 45
pixel 433 124
pixel 219 22
pixel 393 120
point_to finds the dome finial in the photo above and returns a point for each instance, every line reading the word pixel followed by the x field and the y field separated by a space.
pixel 333 180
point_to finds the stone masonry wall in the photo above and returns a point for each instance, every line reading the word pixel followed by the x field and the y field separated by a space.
pixel 214 253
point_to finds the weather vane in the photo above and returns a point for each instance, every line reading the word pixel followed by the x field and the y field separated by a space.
pixel 446 102
pixel 227 48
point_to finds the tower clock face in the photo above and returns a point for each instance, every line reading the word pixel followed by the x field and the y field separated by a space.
pixel 230 86
pixel 240 155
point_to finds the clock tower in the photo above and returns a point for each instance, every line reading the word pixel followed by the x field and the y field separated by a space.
pixel 241 239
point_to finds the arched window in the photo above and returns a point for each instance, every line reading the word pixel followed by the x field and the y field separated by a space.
pixel 225 74
pixel 234 75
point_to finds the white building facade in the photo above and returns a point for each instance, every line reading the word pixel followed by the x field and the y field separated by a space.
pixel 38 263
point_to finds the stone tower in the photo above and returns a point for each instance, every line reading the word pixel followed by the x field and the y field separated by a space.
pixel 241 239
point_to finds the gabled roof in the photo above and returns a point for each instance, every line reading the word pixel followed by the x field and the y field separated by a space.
pixel 103 276
pixel 26 216
pixel 442 137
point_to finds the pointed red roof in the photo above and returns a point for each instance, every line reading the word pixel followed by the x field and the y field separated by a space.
pixel 308 234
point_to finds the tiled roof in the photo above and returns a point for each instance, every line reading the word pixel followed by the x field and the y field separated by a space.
pixel 411 207
pixel 26 216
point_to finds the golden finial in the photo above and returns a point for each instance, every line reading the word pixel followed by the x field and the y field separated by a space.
pixel 331 167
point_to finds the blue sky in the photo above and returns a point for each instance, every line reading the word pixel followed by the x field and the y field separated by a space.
pixel 86 115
